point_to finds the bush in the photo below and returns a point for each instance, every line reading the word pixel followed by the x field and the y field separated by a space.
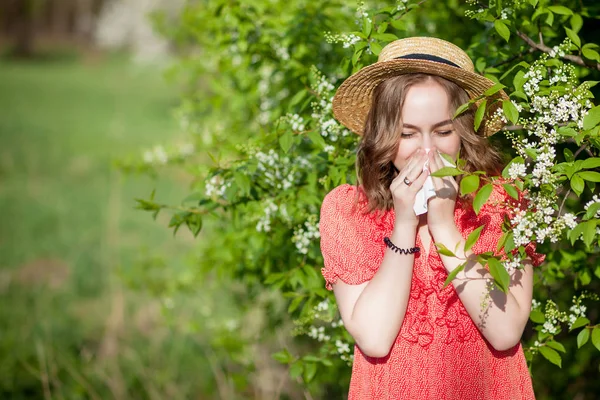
pixel 259 78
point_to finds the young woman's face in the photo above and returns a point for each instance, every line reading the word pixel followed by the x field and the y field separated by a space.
pixel 427 123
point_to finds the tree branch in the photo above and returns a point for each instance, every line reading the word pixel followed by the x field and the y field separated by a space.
pixel 541 47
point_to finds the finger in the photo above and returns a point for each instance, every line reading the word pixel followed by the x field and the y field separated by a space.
pixel 412 161
pixel 436 163
pixel 413 171
pixel 418 183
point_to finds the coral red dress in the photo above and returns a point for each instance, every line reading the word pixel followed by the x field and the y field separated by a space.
pixel 439 353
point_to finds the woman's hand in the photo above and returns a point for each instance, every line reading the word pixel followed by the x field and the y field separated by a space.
pixel 404 194
pixel 440 209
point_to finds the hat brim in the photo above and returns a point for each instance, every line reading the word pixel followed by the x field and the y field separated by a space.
pixel 353 99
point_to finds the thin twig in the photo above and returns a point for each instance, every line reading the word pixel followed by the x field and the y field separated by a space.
pixel 563 202
pixel 542 47
pixel 580 149
pixel 513 128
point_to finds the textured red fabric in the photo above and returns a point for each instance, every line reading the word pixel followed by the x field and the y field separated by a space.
pixel 439 353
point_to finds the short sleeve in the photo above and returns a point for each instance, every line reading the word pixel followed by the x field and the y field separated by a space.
pixel 492 215
pixel 349 239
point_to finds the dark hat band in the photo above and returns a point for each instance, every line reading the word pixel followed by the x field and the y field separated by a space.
pixel 428 57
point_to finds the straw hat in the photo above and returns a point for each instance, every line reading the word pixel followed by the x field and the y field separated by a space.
pixel 428 55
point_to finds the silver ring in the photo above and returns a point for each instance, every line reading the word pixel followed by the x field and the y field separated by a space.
pixel 407 181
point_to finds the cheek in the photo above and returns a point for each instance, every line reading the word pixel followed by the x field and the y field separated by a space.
pixel 405 150
pixel 449 145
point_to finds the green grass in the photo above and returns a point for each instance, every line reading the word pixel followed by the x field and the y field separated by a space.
pixel 69 232
pixel 59 195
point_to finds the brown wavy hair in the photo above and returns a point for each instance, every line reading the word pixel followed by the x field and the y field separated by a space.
pixel 383 127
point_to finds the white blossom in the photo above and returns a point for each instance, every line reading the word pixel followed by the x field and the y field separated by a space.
pixel 305 234
pixel 517 170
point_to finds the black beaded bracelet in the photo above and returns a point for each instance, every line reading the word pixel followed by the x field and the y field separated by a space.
pixel 397 249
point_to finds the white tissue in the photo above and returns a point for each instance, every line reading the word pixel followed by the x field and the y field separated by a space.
pixel 428 190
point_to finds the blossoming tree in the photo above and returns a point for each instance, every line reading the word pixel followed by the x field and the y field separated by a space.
pixel 260 78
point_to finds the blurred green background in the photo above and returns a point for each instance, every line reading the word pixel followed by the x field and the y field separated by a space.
pixel 71 241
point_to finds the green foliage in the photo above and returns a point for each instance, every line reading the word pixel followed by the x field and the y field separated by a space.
pixel 260 95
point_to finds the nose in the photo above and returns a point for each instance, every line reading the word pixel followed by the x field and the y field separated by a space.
pixel 426 141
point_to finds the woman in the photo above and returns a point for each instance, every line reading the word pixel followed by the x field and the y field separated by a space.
pixel 414 338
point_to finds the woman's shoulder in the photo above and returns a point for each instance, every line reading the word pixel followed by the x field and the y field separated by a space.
pixel 345 197
pixel 350 203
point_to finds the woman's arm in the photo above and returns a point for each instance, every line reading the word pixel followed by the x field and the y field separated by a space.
pixel 373 311
pixel 502 321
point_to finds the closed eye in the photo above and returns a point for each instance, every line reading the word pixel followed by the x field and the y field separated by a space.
pixel 444 133
pixel 406 135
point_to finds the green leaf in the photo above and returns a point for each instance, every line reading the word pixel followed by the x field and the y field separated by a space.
pixel 443 250
pixel 481 197
pixel 579 322
pixel 296 369
pixel 537 316
pixel 576 232
pixel 511 112
pixel 375 48
pixel 591 211
pixel 550 18
pixel 356 56
pixel 479 114
pixel 367 26
pixel 382 27
pixel 317 139
pixel 310 370
pixel 562 10
pixel 576 22
pixel 469 184
pixel 499 273
pixel 461 109
pixel 194 224
pixel 589 232
pixel 551 355
pixel 589 163
pixel 556 346
pixel 473 238
pixel 453 274
pixel 510 242
pixel 494 89
pixel 596 337
pixel 311 358
pixel 577 184
pixel 533 2
pixel 519 80
pixel 298 98
pixel 511 190
pixel 286 140
pixel 295 303
pixel 592 118
pixel 502 29
pixel 283 356
pixel 446 171
pixel 583 337
pixel 566 131
pixel 591 176
pixel 589 52
pixel 573 36
pixel 385 37
pixel 522 64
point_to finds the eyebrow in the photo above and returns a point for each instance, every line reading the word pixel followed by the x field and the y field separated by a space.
pixel 436 125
